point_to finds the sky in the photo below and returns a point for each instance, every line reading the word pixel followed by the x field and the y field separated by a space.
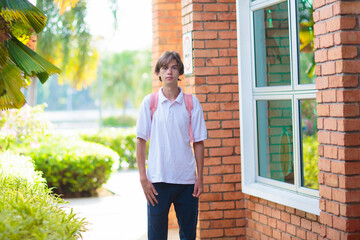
pixel 134 29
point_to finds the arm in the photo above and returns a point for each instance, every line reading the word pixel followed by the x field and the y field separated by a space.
pixel 199 158
pixel 148 187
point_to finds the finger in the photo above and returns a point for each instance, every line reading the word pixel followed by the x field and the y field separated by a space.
pixel 195 191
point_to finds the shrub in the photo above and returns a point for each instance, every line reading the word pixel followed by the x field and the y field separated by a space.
pixel 72 166
pixel 119 121
pixel 120 140
pixel 22 126
pixel 28 210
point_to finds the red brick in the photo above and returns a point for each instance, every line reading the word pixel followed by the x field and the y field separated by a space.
pixel 326 40
pixel 322 82
pixel 323 110
pixel 224 151
pixel 205 35
pixel 229 88
pixel 216 25
pixel 223 223
pixel 343 81
pixel 342 52
pixel 345 139
pixel 348 66
pixel 222 169
pixel 340 23
pixel 198 16
pixel 348 125
pixel 331 180
pixel 222 205
pixel 321 56
pixel 325 12
pixel 235 231
pixel 347 37
pixel 324 137
pixel 346 8
pixel 233 213
pixel 226 187
pixel 344 110
pixel 331 152
pixel 212 179
pixel 349 154
pixel 329 96
pixel 330 124
pixel 350 210
pixel 326 219
pixel 216 7
pixel 210 197
pixel 328 68
pixel 212 233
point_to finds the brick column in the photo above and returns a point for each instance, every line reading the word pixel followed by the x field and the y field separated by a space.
pixel 167 30
pixel 215 83
pixel 338 66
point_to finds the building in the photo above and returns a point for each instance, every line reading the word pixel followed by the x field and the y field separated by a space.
pixel 279 86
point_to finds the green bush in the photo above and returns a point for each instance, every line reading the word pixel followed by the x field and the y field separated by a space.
pixel 310 158
pixel 120 140
pixel 28 210
pixel 22 126
pixel 74 167
pixel 119 121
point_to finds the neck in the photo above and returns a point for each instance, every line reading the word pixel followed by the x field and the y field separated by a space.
pixel 171 92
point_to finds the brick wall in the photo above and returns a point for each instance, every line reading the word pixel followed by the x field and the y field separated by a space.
pixel 338 66
pixel 226 213
pixel 215 83
pixel 166 31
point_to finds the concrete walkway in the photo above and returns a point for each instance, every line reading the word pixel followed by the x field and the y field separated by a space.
pixel 121 216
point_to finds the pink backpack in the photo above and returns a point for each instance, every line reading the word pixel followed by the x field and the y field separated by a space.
pixel 188 104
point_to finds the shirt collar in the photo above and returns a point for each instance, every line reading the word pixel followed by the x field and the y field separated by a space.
pixel 179 99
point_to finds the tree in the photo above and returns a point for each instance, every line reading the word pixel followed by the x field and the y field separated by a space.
pixel 126 78
pixel 19 20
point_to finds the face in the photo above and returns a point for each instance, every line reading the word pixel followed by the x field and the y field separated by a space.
pixel 169 74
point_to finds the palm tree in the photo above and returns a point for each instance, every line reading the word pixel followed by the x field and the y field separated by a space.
pixel 19 20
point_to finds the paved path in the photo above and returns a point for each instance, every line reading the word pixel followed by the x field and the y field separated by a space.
pixel 121 216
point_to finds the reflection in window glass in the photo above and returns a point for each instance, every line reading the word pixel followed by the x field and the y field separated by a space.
pixel 309 144
pixel 275 145
pixel 272 46
pixel 306 42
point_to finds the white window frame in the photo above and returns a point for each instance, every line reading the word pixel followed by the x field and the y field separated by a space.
pixel 285 194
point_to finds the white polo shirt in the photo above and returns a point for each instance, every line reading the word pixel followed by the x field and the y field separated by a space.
pixel 171 159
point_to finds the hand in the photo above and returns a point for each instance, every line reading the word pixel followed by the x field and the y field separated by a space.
pixel 198 188
pixel 149 191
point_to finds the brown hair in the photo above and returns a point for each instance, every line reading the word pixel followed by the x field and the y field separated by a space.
pixel 166 58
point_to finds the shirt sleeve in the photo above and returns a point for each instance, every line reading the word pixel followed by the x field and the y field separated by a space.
pixel 143 122
pixel 197 121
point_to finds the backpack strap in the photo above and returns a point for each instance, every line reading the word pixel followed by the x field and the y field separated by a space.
pixel 189 106
pixel 153 103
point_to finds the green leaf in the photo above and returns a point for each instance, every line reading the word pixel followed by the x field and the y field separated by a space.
pixel 29 61
pixel 11 81
pixel 24 11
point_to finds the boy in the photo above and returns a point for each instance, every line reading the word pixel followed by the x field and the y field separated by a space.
pixel 173 174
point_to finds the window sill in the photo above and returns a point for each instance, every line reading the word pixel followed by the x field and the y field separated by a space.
pixel 284 197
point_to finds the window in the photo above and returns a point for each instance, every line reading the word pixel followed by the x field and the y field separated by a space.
pixel 278 132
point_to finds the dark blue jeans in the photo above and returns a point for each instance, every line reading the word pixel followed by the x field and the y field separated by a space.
pixel 186 208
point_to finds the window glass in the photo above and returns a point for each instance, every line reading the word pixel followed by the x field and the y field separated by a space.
pixel 272 50
pixel 275 146
pixel 310 144
pixel 306 42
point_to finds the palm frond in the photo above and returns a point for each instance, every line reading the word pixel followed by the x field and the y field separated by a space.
pixel 29 61
pixel 22 10
pixel 3 55
pixel 11 82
